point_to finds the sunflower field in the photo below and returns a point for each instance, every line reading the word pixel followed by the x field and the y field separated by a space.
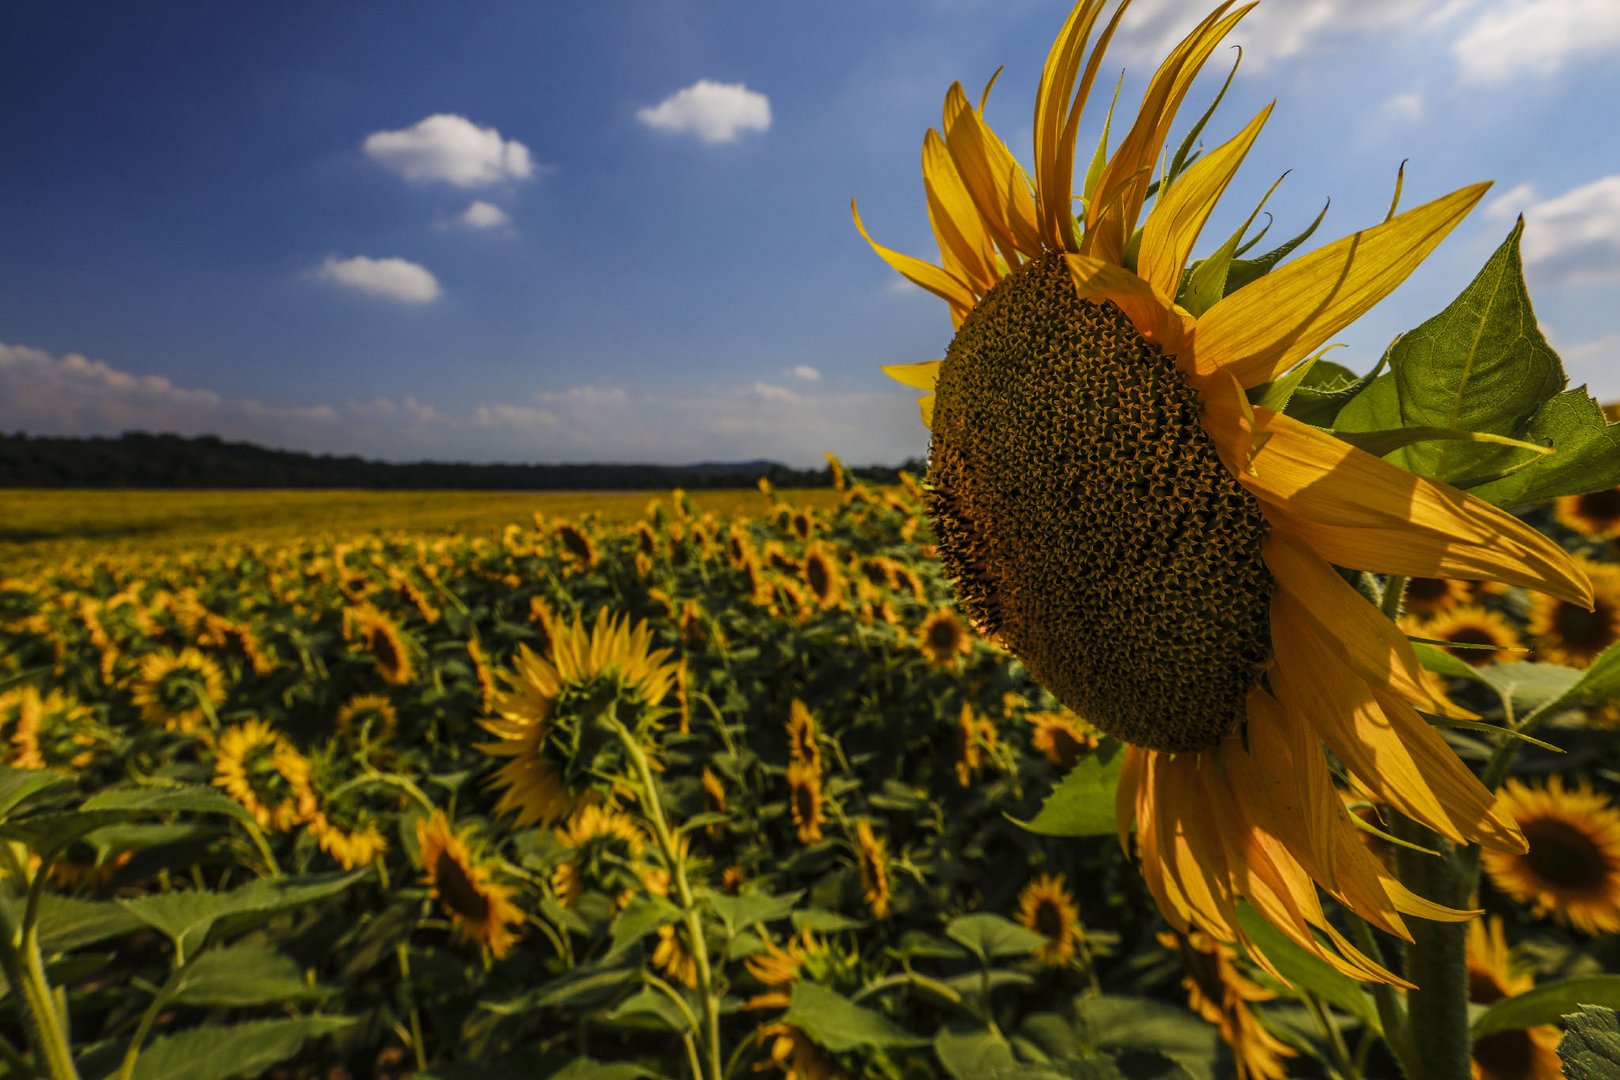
pixel 692 797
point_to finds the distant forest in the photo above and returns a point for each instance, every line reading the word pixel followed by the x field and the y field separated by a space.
pixel 141 460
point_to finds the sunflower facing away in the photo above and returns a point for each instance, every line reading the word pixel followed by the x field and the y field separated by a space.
pixel 179 690
pixel 1572 868
pixel 1159 551
pixel 612 654
pixel 1223 996
pixel 265 773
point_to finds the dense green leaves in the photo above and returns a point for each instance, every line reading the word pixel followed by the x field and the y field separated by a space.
pixel 1482 365
pixel 247 973
pixel 186 916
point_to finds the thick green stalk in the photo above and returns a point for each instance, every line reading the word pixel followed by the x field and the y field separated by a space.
pixel 692 923
pixel 1437 1011
pixel 26 971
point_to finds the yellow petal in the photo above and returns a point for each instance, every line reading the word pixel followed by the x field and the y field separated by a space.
pixel 992 177
pixel 1178 217
pixel 925 404
pixel 951 289
pixel 1360 511
pixel 1122 188
pixel 1267 326
pixel 1153 315
pixel 965 247
pixel 1389 748
pixel 1368 641
pixel 918 376
pixel 1054 135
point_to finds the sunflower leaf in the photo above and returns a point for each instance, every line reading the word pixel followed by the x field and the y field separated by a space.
pixel 1547 1003
pixel 1482 365
pixel 1597 685
pixel 1083 804
pixel 1306 972
pixel 987 936
pixel 835 1023
pixel 1590 1048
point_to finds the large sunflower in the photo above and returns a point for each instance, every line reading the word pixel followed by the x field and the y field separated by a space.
pixel 1159 551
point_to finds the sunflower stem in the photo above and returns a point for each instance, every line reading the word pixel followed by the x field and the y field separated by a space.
pixel 692 922
pixel 1394 593
pixel 1391 1012
pixel 1435 960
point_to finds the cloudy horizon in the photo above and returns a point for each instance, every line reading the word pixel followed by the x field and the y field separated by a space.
pixel 543 237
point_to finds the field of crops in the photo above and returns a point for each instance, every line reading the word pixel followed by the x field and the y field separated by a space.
pixel 708 788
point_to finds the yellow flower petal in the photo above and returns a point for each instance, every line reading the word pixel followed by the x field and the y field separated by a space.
pixel 942 284
pixel 1356 510
pixel 1153 315
pixel 920 376
pixel 1057 121
pixel 1267 326
pixel 1178 217
pixel 1123 185
pixel 993 178
pixel 965 248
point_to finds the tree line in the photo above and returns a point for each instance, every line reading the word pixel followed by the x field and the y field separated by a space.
pixel 139 459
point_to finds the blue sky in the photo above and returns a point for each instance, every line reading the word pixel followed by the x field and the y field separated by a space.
pixel 620 230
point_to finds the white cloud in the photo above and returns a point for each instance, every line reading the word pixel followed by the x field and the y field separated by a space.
pixel 1273 31
pixel 1513 38
pixel 714 112
pixel 770 392
pixel 1511 203
pixel 1573 238
pixel 46 394
pixel 484 215
pixel 1403 108
pixel 450 149
pixel 804 373
pixel 1604 350
pixel 391 278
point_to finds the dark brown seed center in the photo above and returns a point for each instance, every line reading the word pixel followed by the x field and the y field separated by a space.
pixel 1083 512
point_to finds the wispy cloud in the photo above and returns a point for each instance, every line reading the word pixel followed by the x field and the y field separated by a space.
pixel 390 278
pixel 1509 39
pixel 483 215
pixel 804 373
pixel 1573 238
pixel 450 149
pixel 714 112
pixel 68 394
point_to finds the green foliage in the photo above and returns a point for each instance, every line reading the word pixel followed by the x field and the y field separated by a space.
pixel 1482 366
pixel 838 1024
pixel 1590 1048
pixel 1083 805
pixel 1546 1003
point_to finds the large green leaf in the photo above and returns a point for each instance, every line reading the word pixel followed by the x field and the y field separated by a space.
pixel 1598 684
pixel 1122 1024
pixel 1530 686
pixel 838 1024
pixel 639 918
pixel 1083 804
pixel 66 922
pixel 1306 972
pixel 1545 1004
pixel 749 908
pixel 17 785
pixel 249 973
pixel 972 1054
pixel 1482 365
pixel 223 1051
pixel 988 936
pixel 160 800
pixel 186 916
pixel 1590 1048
